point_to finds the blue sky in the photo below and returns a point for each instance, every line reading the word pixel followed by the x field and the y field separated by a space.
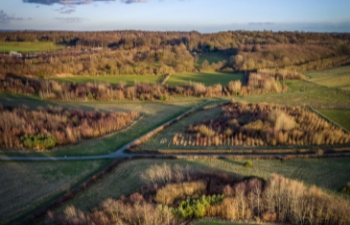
pixel 200 15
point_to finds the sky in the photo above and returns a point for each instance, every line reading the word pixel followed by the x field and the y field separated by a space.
pixel 204 16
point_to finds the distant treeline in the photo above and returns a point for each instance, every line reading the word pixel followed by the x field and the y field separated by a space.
pixel 40 129
pixel 254 83
pixel 177 195
pixel 140 52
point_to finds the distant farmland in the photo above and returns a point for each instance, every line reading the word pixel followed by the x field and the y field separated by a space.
pixel 28 46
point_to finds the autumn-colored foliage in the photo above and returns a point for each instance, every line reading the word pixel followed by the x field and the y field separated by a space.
pixel 243 124
pixel 159 53
pixel 47 89
pixel 276 200
pixel 22 127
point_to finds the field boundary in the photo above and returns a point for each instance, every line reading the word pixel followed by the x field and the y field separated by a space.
pixel 328 119
pixel 283 150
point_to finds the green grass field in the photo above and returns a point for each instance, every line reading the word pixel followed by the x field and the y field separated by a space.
pixel 128 79
pixel 25 185
pixel 337 77
pixel 330 174
pixel 29 46
pixel 340 116
pixel 316 96
pixel 207 78
pixel 212 58
pixel 154 114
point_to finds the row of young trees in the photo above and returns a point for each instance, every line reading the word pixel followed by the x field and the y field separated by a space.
pixel 47 89
pixel 276 200
pixel 139 52
pixel 262 124
pixel 39 129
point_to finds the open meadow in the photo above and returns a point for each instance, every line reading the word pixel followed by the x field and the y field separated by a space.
pixel 27 185
pixel 29 46
pixel 336 77
pixel 339 116
pixel 207 78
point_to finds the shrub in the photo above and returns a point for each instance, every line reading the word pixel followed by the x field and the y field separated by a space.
pixel 90 96
pixel 196 208
pixel 199 89
pixel 346 189
pixel 235 86
pixel 39 141
pixel 168 194
pixel 248 163
pixel 205 131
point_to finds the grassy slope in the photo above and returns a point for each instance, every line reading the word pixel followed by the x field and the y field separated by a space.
pixel 330 174
pixel 207 78
pixel 155 113
pixel 337 77
pixel 319 97
pixel 28 46
pixel 24 185
pixel 340 116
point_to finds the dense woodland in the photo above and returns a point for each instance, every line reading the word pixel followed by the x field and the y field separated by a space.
pixel 140 52
pixel 178 194
pixel 242 124
pixel 24 128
